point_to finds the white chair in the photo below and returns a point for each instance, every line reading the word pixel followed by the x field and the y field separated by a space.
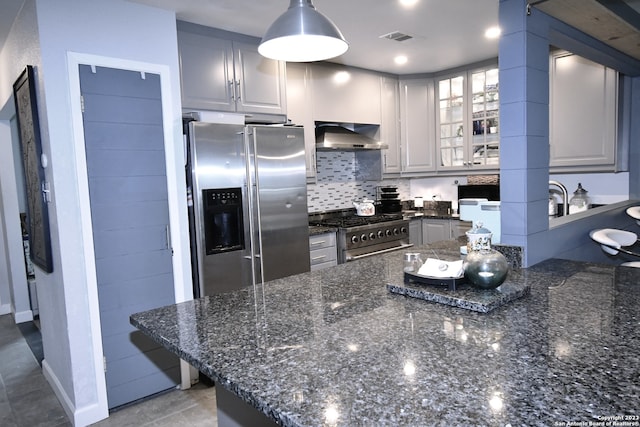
pixel 634 212
pixel 612 241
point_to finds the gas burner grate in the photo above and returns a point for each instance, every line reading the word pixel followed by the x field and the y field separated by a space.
pixel 355 221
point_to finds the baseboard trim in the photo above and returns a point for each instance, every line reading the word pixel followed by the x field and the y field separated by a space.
pixel 23 316
pixel 5 309
pixel 79 417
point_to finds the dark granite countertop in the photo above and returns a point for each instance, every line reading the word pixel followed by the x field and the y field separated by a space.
pixel 336 343
pixel 314 230
pixel 418 214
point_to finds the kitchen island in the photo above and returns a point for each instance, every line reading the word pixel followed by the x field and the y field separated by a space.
pixel 334 347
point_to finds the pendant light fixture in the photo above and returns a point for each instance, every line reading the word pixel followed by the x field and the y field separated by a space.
pixel 302 34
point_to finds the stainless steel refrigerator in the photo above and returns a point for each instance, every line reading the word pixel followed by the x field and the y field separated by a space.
pixel 248 204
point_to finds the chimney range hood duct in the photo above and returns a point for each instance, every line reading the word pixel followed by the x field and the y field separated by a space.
pixel 335 137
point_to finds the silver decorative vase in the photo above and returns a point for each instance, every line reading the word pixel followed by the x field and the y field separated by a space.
pixel 486 268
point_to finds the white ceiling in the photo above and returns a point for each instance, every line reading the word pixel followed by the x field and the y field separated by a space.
pixel 447 33
pixel 10 9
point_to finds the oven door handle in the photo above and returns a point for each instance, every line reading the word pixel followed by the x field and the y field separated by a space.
pixel 404 246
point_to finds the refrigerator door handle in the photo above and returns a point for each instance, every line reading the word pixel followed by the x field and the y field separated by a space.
pixel 254 207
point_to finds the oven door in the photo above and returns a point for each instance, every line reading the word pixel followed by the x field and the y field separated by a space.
pixel 372 239
pixel 355 254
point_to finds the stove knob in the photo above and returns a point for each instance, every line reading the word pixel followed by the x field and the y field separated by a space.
pixel 395 231
pixel 403 230
pixel 354 239
pixel 363 237
pixel 380 234
pixel 388 232
pixel 372 236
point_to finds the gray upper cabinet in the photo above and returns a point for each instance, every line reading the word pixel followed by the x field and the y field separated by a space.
pixel 228 75
pixel 345 95
pixel 583 114
pixel 299 108
pixel 417 126
pixel 390 125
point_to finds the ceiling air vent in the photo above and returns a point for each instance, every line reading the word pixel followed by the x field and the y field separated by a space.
pixel 397 36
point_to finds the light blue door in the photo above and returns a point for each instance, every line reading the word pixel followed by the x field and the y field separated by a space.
pixel 122 115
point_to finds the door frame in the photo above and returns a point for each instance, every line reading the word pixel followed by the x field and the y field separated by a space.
pixel 176 189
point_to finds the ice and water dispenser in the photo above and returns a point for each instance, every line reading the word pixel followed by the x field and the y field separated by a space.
pixel 223 225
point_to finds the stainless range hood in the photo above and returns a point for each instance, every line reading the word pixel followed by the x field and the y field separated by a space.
pixel 334 137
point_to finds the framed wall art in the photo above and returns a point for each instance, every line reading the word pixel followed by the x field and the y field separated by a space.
pixel 24 93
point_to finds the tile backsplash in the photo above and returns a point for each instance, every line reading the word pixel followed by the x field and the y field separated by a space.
pixel 336 185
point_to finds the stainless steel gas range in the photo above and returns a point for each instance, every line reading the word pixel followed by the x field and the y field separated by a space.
pixel 362 236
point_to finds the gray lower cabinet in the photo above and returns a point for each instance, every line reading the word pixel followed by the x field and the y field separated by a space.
pixel 434 230
pixel 323 251
pixel 459 228
pixel 415 232
pixel 228 75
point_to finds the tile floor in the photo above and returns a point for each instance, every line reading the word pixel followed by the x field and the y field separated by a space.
pixel 26 398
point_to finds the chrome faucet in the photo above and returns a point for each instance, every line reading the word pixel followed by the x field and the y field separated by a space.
pixel 565 196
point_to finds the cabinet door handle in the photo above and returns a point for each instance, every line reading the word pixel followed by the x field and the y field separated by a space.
pixel 232 90
pixel 238 97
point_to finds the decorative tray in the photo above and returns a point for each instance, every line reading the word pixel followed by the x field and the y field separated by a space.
pixel 449 282
pixel 465 295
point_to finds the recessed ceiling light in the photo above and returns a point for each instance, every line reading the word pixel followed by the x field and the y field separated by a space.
pixel 492 32
pixel 400 59
pixel 408 3
pixel 341 77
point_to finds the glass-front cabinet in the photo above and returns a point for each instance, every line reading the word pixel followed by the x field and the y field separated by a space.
pixel 468 121
pixel 451 99
pixel 485 143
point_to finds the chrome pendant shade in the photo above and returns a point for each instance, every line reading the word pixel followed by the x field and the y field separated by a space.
pixel 302 34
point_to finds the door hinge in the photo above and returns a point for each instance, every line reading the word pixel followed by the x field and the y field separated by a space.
pixel 81 104
pixel 104 363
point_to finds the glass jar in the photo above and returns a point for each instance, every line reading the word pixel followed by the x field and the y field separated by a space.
pixel 412 262
pixel 553 207
pixel 580 201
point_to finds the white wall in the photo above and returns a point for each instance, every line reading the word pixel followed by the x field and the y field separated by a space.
pixel 441 188
pixel 114 29
pixel 20 49
pixel 14 290
pixel 603 188
pixel 5 278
